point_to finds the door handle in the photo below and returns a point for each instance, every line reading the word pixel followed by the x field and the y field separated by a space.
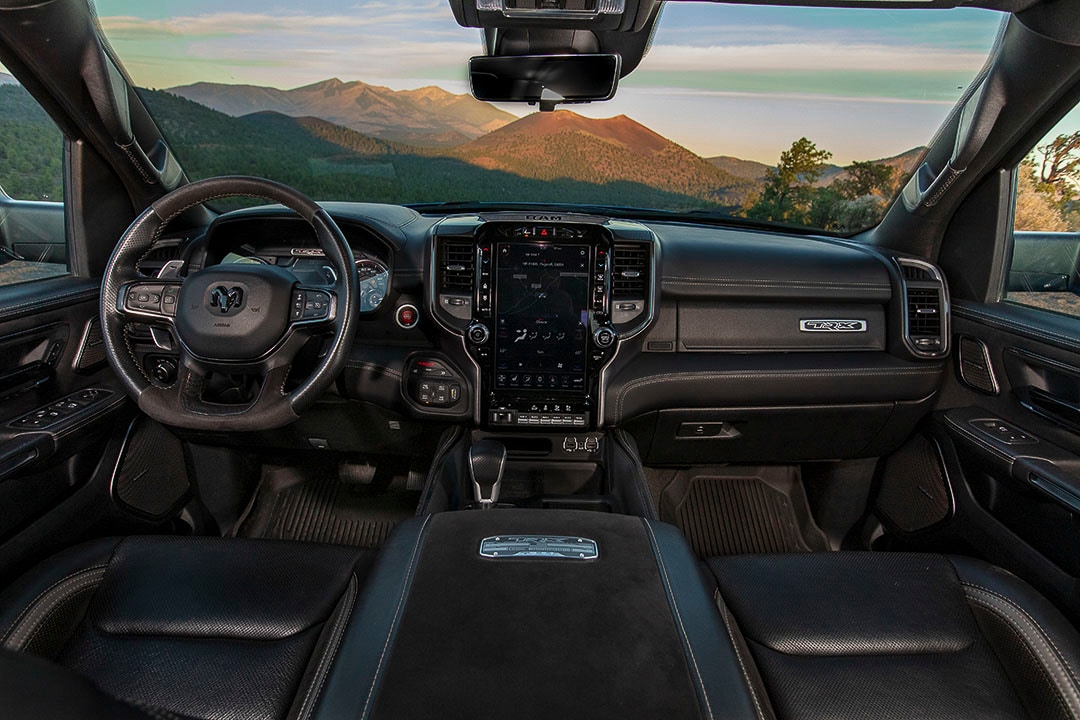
pixel 24 377
pixel 1049 404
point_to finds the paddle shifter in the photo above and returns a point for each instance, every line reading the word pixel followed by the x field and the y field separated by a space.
pixel 487 458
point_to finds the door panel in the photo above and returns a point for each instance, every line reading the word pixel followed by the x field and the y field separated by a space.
pixel 41 364
pixel 1011 446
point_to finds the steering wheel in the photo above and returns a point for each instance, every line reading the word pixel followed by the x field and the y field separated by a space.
pixel 232 319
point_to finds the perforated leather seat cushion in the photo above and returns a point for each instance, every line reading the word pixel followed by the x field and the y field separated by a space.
pixel 197 626
pixel 891 635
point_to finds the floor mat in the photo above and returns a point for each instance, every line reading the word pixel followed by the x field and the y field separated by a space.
pixel 324 509
pixel 727 511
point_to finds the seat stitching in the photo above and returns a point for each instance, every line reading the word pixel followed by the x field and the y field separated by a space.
pixel 397 612
pixel 1020 635
pixel 1045 635
pixel 327 659
pixel 72 578
pixel 738 653
pixel 678 616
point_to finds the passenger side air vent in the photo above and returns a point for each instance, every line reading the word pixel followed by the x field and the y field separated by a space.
pixel 457 267
pixel 912 272
pixel 926 318
pixel 630 281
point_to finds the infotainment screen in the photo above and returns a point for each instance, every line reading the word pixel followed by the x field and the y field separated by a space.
pixel 542 301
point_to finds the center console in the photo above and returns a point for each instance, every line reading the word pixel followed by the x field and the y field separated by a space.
pixel 541 304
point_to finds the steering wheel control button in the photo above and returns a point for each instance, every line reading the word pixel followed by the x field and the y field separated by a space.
pixel 407 316
pixel 316 305
pixel 147 298
pixel 168 299
pixel 478 333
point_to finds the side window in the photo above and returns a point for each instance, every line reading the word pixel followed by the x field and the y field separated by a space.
pixel 1045 271
pixel 33 244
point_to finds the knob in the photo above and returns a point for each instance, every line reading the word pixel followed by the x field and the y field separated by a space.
pixel 478 333
pixel 604 337
pixel 164 371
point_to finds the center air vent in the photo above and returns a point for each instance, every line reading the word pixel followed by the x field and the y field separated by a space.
pixel 457 267
pixel 631 277
pixel 630 271
pixel 926 317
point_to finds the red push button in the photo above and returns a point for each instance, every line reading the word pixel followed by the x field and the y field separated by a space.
pixel 407 316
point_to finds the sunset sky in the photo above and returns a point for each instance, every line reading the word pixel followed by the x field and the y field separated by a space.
pixel 721 80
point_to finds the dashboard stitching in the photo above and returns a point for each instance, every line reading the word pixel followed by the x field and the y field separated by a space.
pixel 747 281
pixel 642 382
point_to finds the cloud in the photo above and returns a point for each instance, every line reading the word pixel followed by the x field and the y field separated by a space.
pixel 804 56
pixel 225 24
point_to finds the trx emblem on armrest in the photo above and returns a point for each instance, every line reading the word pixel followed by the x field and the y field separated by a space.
pixel 832 326
pixel 562 547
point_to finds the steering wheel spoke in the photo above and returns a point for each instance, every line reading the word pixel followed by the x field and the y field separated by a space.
pixel 149 301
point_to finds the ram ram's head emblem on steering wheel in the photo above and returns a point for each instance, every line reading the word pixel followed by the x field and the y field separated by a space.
pixel 226 299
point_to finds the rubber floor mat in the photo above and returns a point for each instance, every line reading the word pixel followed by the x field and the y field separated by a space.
pixel 726 511
pixel 324 509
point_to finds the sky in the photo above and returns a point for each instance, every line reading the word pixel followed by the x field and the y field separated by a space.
pixel 719 79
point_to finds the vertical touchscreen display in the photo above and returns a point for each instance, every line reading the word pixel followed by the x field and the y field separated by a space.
pixel 542 301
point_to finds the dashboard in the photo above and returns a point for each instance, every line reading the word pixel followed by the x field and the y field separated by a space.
pixel 705 343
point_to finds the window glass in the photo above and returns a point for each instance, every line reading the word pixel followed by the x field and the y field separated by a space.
pixel 33 244
pixel 812 117
pixel 1045 270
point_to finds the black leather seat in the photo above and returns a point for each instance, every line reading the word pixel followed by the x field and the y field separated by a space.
pixel 891 635
pixel 196 627
pixel 181 628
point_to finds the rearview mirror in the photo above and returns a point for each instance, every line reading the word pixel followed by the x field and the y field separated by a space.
pixel 549 80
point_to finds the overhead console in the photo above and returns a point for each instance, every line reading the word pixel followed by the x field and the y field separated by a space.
pixel 542 304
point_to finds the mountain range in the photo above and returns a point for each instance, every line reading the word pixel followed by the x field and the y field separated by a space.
pixel 904 164
pixel 543 157
pixel 427 116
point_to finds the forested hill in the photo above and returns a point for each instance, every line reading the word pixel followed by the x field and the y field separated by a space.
pixel 31 148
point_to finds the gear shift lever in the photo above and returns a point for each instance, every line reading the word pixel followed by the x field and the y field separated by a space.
pixel 487 458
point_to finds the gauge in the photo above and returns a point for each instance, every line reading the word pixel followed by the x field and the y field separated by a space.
pixel 374 281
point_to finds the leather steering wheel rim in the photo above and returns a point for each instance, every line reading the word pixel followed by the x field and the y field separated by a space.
pixel 178 406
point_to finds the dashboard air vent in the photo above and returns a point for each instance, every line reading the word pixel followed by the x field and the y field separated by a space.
pixel 924 313
pixel 457 266
pixel 925 308
pixel 914 272
pixel 630 271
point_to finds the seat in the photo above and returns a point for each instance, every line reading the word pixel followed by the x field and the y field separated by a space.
pixel 192 627
pixel 894 635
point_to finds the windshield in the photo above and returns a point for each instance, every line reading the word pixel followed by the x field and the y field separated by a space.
pixel 800 116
